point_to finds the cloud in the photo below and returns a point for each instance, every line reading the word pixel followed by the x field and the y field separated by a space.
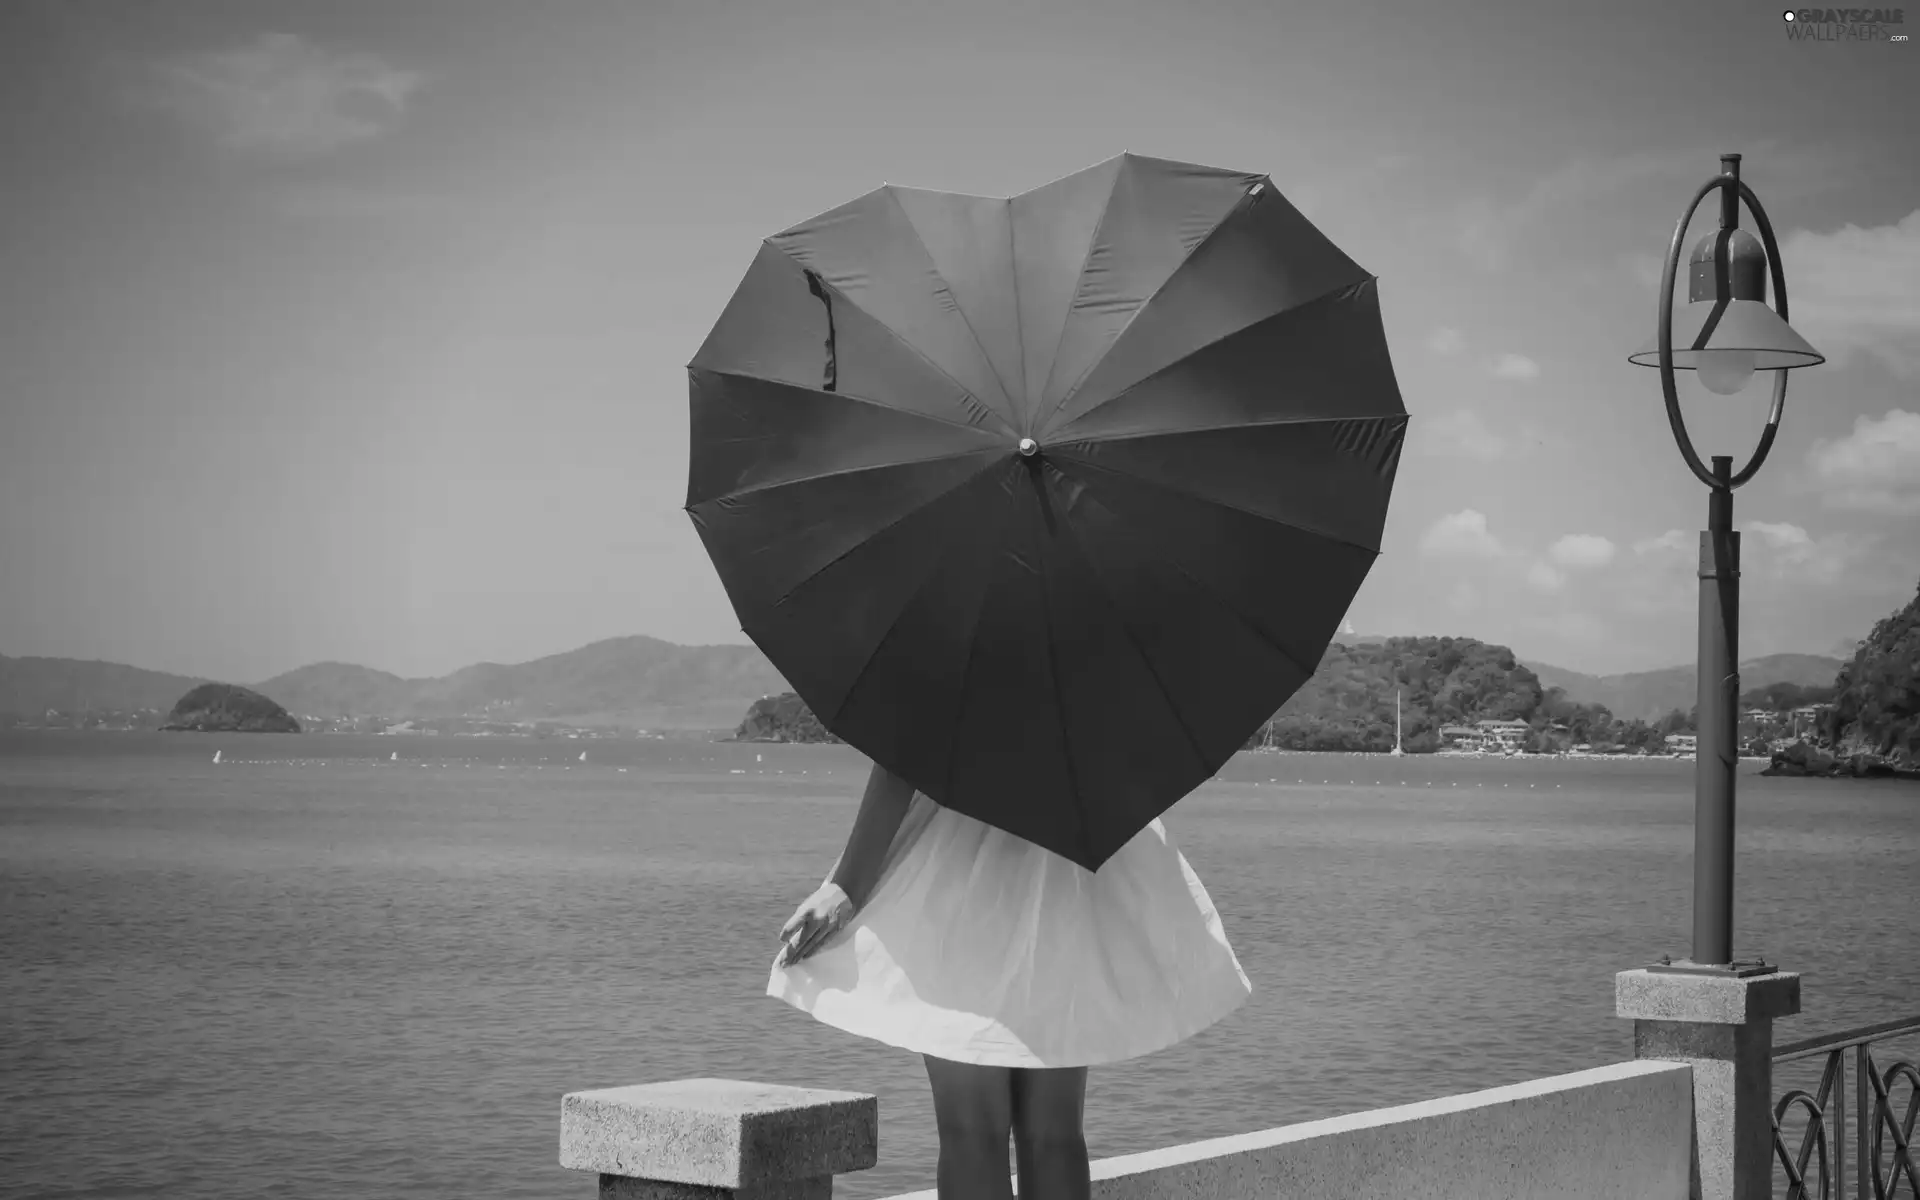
pixel 1515 366
pixel 1673 541
pixel 1463 534
pixel 1582 550
pixel 1789 552
pixel 1855 290
pixel 1784 568
pixel 1660 578
pixel 1446 341
pixel 1875 468
pixel 1346 626
pixel 1545 577
pixel 1463 434
pixel 1570 552
pixel 282 93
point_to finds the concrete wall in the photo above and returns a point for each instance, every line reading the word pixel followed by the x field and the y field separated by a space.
pixel 1612 1132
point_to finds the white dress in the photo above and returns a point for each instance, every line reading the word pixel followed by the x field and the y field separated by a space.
pixel 978 946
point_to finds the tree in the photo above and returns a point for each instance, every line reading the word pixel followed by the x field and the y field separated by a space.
pixel 1876 705
pixel 1674 722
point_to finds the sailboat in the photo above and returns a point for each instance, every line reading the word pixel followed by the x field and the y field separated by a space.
pixel 396 757
pixel 1396 751
pixel 216 756
pixel 583 756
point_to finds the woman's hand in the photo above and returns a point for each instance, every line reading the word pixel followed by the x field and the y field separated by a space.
pixel 818 918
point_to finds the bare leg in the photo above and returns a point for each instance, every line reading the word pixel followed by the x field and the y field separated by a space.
pixel 973 1107
pixel 1049 1138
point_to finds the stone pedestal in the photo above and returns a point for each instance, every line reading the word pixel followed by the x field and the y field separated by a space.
pixel 1721 1026
pixel 718 1139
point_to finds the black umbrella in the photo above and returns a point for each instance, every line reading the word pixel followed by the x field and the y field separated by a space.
pixel 1046 504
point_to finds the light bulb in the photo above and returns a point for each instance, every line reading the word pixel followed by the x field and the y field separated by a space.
pixel 1724 372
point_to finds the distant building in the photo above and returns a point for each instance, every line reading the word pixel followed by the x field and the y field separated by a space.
pixel 1495 736
pixel 1682 743
pixel 1502 735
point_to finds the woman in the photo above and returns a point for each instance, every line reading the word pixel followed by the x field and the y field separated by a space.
pixel 1011 970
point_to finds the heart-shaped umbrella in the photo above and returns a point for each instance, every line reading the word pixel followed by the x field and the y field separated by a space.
pixel 1046 503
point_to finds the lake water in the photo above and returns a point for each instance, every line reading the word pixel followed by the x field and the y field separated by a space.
pixel 309 971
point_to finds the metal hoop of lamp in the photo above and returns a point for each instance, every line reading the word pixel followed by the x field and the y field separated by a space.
pixel 1727 333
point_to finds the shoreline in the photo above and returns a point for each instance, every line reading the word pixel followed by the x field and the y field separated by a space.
pixel 1531 758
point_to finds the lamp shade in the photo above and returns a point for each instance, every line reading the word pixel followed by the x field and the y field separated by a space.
pixel 1728 327
pixel 1705 327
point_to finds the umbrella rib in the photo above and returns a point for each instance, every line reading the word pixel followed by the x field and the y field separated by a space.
pixel 973 647
pixel 1260 516
pixel 866 664
pixel 907 345
pixel 1080 275
pixel 1135 314
pixel 1060 714
pixel 964 319
pixel 1099 438
pixel 1339 292
pixel 916 509
pixel 867 400
pixel 897 462
pixel 1126 627
pixel 1201 585
pixel 1019 317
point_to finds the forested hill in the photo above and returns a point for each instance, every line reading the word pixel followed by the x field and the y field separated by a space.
pixel 1348 704
pixel 1876 706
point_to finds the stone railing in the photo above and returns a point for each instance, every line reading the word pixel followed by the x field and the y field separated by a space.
pixel 1690 1117
pixel 1613 1131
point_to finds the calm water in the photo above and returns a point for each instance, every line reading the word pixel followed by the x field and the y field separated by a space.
pixel 317 973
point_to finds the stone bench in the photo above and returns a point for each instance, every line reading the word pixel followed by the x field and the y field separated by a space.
pixel 718 1139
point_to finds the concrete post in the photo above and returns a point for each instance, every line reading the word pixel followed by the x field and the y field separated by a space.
pixel 1721 1026
pixel 718 1139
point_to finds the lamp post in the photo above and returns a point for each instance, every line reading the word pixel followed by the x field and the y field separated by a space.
pixel 1725 334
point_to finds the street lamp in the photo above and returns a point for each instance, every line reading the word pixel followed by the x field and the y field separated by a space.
pixel 1725 334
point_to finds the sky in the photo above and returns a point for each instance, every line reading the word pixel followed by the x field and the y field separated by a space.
pixel 357 331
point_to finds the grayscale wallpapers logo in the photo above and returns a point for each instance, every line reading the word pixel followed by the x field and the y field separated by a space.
pixel 1844 24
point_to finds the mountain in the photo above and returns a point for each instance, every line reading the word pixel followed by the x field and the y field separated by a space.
pixel 334 689
pixel 640 682
pixel 31 686
pixel 1649 695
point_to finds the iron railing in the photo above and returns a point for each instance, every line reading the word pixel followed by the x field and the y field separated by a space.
pixel 1886 1164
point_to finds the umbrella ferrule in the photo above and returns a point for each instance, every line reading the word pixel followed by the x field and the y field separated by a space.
pixel 1028 447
